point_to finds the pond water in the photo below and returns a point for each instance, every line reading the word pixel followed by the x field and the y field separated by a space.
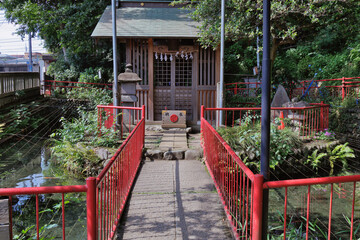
pixel 319 211
pixel 27 163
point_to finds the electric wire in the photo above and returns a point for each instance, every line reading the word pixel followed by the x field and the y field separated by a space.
pixel 45 117
pixel 29 151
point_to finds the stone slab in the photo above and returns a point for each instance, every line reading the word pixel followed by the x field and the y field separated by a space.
pixel 4 211
pixel 4 232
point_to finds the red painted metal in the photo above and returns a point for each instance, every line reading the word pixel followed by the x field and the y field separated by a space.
pixel 118 176
pixel 233 180
pixel 343 87
pixel 235 183
pixel 106 195
pixel 305 120
pixel 106 115
pixel 91 208
pixel 257 202
pixel 330 210
pixel 352 213
pixel 65 84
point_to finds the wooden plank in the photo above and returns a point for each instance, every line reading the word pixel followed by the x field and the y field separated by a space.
pixel 146 55
pixel 133 58
pixel 128 51
pixel 217 65
pixel 151 78
pixel 201 66
pixel 173 85
pixel 195 81
pixel 209 66
pixel 137 56
pixel 205 67
pixel 213 68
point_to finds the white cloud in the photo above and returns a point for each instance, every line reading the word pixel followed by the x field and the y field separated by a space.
pixel 11 43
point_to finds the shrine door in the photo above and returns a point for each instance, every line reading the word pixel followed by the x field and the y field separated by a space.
pixel 173 85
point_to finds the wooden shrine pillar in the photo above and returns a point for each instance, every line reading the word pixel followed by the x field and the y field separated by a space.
pixel 151 78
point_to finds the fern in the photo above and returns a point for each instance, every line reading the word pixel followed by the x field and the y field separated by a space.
pixel 340 153
pixel 314 159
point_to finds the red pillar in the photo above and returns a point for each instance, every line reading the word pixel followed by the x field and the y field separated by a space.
pixel 343 88
pixel 91 208
pixel 257 210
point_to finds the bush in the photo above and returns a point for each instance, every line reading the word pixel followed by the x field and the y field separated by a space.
pixel 246 139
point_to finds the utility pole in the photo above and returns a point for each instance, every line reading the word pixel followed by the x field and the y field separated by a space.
pixel 115 66
pixel 30 53
pixel 222 46
pixel 265 113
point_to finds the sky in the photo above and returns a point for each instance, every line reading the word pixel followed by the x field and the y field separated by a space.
pixel 11 43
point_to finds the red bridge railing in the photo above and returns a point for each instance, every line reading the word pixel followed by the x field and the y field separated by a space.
pixel 106 194
pixel 53 84
pixel 237 186
pixel 127 118
pixel 304 120
pixel 241 192
pixel 339 87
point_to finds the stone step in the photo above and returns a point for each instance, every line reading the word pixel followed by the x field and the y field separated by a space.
pixel 158 154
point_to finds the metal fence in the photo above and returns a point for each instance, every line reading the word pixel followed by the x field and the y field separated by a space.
pixel 106 194
pixel 304 120
pixel 241 192
pixel 50 85
pixel 337 87
pixel 238 187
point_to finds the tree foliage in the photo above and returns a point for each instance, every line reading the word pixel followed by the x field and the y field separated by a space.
pixel 65 26
pixel 291 20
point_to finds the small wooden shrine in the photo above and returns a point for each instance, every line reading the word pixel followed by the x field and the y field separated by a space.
pixel 161 44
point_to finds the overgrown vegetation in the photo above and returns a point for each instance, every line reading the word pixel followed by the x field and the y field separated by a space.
pixel 246 140
pixel 345 116
pixel 74 143
pixel 286 149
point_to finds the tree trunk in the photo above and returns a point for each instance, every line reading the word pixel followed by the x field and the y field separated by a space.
pixel 274 47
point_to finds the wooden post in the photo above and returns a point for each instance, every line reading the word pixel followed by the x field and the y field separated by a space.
pixel 2 85
pixel 195 82
pixel 151 78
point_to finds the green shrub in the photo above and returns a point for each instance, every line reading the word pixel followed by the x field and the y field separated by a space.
pixel 246 139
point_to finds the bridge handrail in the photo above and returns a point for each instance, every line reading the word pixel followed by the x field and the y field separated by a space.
pixel 233 181
pixel 227 178
pixel 130 153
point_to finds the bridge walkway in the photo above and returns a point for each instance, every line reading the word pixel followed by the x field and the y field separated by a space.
pixel 174 200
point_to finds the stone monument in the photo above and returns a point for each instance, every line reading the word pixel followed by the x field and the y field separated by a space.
pixel 128 81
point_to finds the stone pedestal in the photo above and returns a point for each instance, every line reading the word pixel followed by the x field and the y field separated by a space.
pixel 4 219
pixel 128 81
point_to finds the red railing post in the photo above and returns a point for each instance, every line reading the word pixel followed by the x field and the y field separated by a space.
pixel 143 117
pixel 202 112
pixel 343 88
pixel 322 116
pixel 304 88
pixel 91 208
pixel 257 202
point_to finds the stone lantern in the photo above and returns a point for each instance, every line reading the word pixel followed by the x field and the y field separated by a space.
pixel 128 81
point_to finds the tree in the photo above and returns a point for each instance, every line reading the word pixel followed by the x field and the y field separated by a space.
pixel 290 20
pixel 64 25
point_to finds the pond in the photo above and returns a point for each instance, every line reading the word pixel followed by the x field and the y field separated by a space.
pixel 27 163
pixel 319 211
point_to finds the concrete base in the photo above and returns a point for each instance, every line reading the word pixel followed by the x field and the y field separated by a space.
pixel 4 219
pixel 4 232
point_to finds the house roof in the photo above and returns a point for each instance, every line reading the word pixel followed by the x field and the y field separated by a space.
pixel 147 22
